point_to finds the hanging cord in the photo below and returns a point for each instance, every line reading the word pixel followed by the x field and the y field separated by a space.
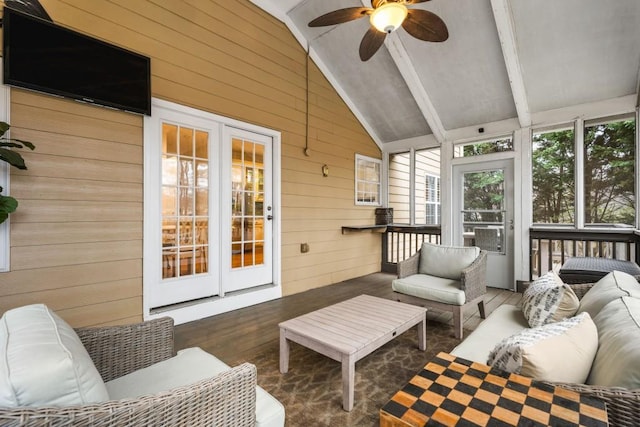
pixel 306 131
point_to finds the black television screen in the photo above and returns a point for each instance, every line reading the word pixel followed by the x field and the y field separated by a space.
pixel 46 57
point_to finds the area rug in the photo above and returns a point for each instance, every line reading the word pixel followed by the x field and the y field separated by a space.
pixel 311 391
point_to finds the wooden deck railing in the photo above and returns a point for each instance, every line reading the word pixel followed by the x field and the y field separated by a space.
pixel 550 247
pixel 399 242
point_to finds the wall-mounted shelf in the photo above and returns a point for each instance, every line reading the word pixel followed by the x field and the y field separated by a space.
pixel 363 228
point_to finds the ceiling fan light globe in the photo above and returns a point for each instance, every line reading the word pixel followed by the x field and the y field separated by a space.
pixel 388 17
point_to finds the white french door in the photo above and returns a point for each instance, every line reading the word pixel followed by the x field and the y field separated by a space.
pixel 181 233
pixel 247 219
pixel 209 208
pixel 483 215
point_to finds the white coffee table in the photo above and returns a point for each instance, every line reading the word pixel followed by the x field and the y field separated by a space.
pixel 350 330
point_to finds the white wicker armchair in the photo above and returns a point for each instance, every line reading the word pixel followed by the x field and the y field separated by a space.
pixel 225 399
pixel 444 278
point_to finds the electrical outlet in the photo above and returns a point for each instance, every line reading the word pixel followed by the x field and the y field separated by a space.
pixel 304 248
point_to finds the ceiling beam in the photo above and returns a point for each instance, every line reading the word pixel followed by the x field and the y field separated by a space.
pixel 506 33
pixel 408 71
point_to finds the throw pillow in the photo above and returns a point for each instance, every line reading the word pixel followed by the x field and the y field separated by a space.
pixel 612 286
pixel 548 300
pixel 616 362
pixel 446 261
pixel 43 361
pixel 557 352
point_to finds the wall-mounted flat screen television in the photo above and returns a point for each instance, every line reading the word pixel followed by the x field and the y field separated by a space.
pixel 46 57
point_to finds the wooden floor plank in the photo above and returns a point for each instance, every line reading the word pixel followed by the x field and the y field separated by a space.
pixel 243 333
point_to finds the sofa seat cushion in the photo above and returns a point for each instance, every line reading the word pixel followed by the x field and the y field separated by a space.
pixel 44 362
pixel 612 286
pixel 558 352
pixel 187 367
pixel 503 322
pixel 548 300
pixel 446 261
pixel 430 288
pixel 617 362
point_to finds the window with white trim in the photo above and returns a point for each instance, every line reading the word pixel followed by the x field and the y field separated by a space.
pixel 606 171
pixel 432 199
pixel 479 148
pixel 368 180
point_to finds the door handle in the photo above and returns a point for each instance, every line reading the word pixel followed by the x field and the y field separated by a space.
pixel 269 217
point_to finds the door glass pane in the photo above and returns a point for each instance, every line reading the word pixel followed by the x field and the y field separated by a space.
pixel 247 203
pixel 483 212
pixel 185 201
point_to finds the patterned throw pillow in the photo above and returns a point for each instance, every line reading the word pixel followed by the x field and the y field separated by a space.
pixel 548 300
pixel 558 352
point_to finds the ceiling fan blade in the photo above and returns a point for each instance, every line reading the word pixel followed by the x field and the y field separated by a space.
pixel 415 1
pixel 370 43
pixel 425 25
pixel 339 16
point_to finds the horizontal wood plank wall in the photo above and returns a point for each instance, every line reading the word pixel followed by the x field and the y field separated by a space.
pixel 228 58
pixel 76 239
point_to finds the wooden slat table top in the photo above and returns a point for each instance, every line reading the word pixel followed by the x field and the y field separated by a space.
pixel 351 325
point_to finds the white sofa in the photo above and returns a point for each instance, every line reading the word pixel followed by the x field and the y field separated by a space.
pixel 52 374
pixel 614 375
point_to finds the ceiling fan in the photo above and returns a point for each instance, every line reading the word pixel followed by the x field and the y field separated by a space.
pixel 386 16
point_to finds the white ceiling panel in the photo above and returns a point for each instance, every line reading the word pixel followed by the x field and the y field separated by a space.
pixel 577 51
pixel 465 76
pixel 375 86
pixel 557 53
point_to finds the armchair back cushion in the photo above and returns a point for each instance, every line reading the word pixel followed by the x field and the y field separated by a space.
pixel 446 261
pixel 45 363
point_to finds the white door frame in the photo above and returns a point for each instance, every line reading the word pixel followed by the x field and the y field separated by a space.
pixel 186 312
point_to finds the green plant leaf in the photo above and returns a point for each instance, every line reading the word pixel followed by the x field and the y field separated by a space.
pixel 4 127
pixel 5 143
pixel 16 143
pixel 8 204
pixel 27 144
pixel 13 158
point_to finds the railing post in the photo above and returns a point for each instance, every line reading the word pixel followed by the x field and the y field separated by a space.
pixel 385 251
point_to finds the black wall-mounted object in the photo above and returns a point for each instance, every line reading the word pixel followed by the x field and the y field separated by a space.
pixel 49 58
pixel 30 7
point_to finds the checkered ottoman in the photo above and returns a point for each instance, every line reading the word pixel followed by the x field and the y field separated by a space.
pixel 454 391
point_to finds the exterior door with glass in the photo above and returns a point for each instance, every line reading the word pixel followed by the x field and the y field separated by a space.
pixel 182 232
pixel 483 215
pixel 247 219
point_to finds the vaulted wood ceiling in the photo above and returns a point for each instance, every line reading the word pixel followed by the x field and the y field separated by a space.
pixel 506 62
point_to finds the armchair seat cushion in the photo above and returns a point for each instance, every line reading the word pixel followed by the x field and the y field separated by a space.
pixel 431 288
pixel 187 367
